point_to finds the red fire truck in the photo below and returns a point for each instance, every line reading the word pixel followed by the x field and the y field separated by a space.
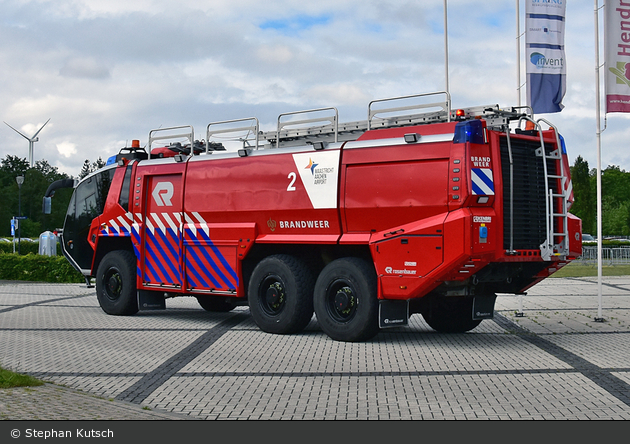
pixel 421 208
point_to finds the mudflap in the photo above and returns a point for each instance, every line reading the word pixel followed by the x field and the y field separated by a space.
pixel 483 307
pixel 151 300
pixel 393 313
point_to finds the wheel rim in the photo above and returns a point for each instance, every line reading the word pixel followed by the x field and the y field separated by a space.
pixel 341 301
pixel 272 295
pixel 113 284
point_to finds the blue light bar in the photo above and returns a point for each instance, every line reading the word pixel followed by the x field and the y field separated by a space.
pixel 469 131
pixel 111 160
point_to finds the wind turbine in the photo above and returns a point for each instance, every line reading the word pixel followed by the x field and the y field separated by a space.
pixel 31 140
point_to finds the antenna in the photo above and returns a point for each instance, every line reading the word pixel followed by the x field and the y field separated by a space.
pixel 31 140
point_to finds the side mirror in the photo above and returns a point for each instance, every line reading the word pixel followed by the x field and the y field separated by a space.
pixel 47 204
pixel 50 192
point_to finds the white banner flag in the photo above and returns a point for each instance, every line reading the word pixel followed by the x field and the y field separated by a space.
pixel 546 66
pixel 617 41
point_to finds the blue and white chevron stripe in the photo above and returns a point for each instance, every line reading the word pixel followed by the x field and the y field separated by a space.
pixel 482 182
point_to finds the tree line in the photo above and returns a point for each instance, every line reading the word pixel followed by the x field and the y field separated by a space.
pixel 615 198
pixel 27 200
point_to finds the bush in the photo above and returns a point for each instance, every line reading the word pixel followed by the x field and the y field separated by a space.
pixel 35 267
pixel 25 247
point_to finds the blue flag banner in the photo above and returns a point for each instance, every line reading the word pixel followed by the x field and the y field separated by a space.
pixel 546 65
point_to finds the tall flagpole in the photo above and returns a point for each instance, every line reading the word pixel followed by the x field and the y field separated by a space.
pixel 446 45
pixel 599 317
pixel 518 52
pixel 519 313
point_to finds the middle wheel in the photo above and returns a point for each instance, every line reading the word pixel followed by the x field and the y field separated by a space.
pixel 280 294
pixel 346 302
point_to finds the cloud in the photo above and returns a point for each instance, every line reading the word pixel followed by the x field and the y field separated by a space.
pixel 278 53
pixel 106 72
pixel 84 68
pixel 67 149
pixel 344 93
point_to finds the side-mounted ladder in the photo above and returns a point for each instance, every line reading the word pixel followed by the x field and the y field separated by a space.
pixel 556 202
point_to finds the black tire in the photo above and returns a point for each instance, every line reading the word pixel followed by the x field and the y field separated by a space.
pixel 280 294
pixel 346 301
pixel 116 283
pixel 221 304
pixel 451 314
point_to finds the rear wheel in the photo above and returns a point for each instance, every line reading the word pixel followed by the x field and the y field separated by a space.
pixel 116 283
pixel 345 300
pixel 280 294
pixel 451 314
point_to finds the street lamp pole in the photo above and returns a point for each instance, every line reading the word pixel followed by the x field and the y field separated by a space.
pixel 20 181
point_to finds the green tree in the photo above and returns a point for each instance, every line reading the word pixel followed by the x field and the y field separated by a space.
pixel 89 168
pixel 98 164
pixel 615 220
pixel 29 196
pixel 615 201
pixel 10 168
pixel 616 184
pixel 584 205
pixel 85 169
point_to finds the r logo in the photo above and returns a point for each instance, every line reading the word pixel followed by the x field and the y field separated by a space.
pixel 163 193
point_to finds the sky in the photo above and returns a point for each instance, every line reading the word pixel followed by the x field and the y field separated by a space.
pixel 108 71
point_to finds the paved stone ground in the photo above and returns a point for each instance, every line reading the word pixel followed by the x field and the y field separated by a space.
pixel 54 402
pixel 554 362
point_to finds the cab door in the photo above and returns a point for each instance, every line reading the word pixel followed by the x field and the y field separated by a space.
pixel 88 201
pixel 161 259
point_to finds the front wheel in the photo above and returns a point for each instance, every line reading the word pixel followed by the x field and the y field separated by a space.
pixel 345 300
pixel 280 294
pixel 116 283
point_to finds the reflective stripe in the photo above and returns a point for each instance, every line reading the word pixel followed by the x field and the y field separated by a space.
pixel 482 182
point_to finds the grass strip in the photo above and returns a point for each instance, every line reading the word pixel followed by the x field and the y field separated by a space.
pixel 9 379
pixel 577 269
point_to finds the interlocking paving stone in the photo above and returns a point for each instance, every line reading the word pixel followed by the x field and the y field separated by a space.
pixel 554 362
